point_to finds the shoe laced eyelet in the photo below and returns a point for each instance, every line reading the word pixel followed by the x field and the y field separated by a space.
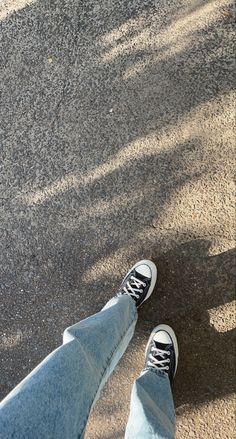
pixel 168 352
pixel 167 368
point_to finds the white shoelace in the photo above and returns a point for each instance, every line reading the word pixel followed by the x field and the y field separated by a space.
pixel 130 287
pixel 158 364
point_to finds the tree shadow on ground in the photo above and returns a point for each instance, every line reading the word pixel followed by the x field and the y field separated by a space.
pixel 191 284
pixel 56 120
pixel 195 296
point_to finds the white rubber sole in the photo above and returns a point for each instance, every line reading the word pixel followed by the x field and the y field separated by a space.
pixel 172 335
pixel 153 269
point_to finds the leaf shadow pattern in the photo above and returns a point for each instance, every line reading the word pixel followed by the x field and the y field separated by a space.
pixel 195 295
pixel 191 284
pixel 56 121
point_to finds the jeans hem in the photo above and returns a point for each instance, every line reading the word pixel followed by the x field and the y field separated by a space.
pixel 157 372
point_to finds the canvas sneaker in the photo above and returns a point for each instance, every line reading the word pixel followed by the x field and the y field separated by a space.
pixel 162 350
pixel 140 281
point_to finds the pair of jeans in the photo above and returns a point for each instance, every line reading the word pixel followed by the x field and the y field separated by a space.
pixel 54 401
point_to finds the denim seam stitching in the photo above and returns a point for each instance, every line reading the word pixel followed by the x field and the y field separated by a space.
pixel 104 369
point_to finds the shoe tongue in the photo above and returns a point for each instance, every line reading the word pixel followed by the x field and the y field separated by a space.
pixel 163 347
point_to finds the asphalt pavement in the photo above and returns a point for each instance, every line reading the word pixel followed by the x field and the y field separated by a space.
pixel 117 143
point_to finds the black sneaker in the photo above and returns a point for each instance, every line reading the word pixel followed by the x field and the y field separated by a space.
pixel 139 282
pixel 162 350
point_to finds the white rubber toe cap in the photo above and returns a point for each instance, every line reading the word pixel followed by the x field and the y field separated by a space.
pixel 162 337
pixel 144 270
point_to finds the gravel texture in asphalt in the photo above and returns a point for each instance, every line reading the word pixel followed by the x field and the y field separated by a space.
pixel 117 143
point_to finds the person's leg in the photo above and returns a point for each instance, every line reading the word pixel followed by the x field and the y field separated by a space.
pixel 152 414
pixel 151 409
pixel 55 400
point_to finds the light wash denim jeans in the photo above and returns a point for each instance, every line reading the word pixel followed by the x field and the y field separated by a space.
pixel 54 401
